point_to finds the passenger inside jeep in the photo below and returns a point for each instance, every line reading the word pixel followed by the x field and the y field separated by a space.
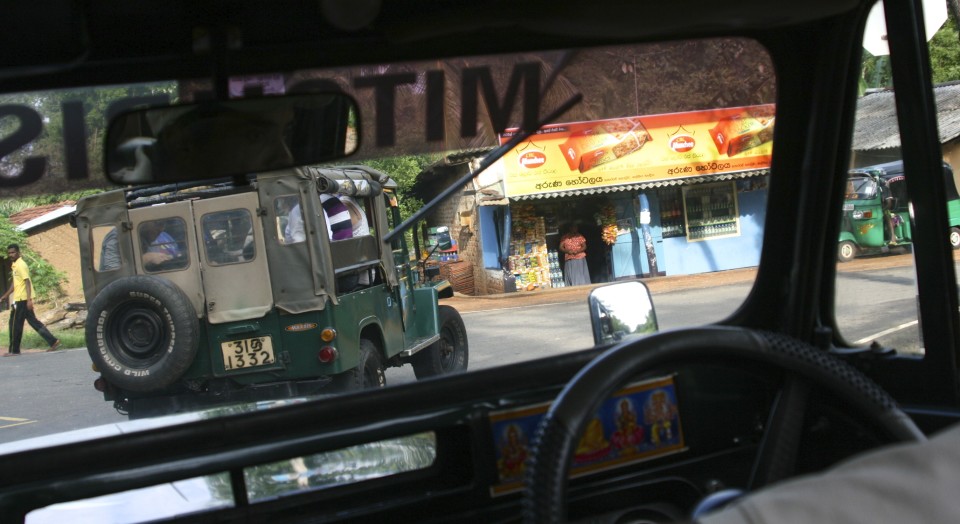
pixel 361 227
pixel 109 252
pixel 229 236
pixel 289 220
pixel 162 245
pixel 340 226
pixel 345 219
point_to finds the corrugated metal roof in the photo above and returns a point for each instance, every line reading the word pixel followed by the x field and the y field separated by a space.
pixel 876 125
pixel 37 216
pixel 646 185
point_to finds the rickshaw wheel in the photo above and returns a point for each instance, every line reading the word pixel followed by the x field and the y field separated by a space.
pixel 846 251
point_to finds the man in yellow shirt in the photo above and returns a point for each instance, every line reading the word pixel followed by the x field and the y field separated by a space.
pixel 22 304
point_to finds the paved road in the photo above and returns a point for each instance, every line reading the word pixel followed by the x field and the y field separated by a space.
pixel 535 324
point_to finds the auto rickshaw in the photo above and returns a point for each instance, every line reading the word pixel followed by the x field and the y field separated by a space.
pixel 876 211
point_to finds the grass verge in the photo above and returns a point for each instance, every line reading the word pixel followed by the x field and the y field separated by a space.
pixel 69 338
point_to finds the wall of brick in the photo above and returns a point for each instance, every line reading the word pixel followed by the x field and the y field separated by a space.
pixel 460 213
pixel 448 213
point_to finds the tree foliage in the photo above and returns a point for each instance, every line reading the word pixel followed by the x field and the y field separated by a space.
pixel 945 53
pixel 45 279
pixel 96 103
pixel 404 169
pixel 944 49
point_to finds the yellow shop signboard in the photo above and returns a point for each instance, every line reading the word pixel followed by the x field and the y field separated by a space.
pixel 630 150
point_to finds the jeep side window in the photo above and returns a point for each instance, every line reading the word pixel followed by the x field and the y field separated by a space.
pixel 393 216
pixel 358 215
pixel 228 236
pixel 339 224
pixel 106 248
pixel 360 222
pixel 162 245
pixel 289 219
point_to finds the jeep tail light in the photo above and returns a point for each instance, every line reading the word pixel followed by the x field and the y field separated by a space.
pixel 100 385
pixel 328 334
pixel 328 354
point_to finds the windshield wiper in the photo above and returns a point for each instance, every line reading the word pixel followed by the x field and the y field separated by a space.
pixel 493 155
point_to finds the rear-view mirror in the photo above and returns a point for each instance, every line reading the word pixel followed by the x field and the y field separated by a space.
pixel 216 139
pixel 621 310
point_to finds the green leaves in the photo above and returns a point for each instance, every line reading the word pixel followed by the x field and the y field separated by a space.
pixel 46 279
pixel 945 53
pixel 404 169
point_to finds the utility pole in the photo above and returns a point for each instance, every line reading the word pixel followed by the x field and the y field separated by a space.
pixel 953 7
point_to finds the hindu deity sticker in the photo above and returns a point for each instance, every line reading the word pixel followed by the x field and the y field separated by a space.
pixel 639 422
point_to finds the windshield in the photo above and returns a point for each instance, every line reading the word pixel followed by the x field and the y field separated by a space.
pixel 637 162
pixel 861 188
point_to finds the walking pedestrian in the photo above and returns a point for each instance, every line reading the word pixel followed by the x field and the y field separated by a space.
pixel 21 304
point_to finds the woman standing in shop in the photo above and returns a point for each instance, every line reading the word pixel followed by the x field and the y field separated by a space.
pixel 574 247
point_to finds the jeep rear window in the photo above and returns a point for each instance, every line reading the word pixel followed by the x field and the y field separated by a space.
pixel 163 245
pixel 228 237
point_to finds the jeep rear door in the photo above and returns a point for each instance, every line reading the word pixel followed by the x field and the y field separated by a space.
pixel 175 218
pixel 236 279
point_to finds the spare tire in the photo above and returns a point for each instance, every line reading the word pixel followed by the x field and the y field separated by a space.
pixel 142 333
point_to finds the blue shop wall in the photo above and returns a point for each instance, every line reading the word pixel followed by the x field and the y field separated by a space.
pixel 686 258
pixel 629 256
pixel 489 239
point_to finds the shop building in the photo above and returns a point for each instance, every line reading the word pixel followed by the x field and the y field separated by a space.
pixel 659 195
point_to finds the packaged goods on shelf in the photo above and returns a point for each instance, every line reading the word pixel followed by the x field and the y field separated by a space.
pixel 556 269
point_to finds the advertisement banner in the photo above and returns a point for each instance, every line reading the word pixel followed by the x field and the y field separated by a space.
pixel 630 150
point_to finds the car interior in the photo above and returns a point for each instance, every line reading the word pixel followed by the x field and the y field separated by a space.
pixel 775 386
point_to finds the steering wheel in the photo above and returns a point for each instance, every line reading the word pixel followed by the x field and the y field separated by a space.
pixel 806 366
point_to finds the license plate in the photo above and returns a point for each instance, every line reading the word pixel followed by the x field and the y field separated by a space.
pixel 247 353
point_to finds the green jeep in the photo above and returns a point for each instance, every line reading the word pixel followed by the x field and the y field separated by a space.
pixel 213 293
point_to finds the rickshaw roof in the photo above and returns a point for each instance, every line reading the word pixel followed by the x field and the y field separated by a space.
pixel 885 171
pixel 893 172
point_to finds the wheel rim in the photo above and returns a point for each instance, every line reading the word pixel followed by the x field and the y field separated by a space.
pixel 373 376
pixel 138 332
pixel 955 239
pixel 448 349
pixel 846 250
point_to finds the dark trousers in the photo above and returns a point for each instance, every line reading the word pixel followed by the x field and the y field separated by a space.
pixel 17 316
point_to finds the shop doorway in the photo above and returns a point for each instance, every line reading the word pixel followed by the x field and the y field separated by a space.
pixel 598 258
pixel 584 212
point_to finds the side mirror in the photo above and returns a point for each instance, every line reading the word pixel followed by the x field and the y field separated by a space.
pixel 444 241
pixel 438 238
pixel 620 311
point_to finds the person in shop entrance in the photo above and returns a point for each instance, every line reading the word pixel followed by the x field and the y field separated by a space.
pixel 574 248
